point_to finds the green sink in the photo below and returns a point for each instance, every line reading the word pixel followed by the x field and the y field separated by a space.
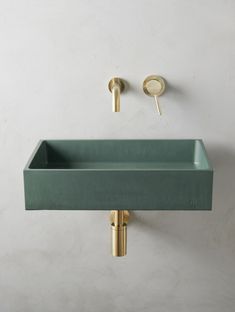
pixel 119 175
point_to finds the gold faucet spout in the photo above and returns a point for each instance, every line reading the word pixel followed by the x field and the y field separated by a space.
pixel 116 98
pixel 116 86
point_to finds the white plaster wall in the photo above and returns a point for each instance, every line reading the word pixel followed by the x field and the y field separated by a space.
pixel 56 59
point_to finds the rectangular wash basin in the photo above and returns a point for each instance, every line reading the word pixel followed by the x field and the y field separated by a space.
pixel 118 175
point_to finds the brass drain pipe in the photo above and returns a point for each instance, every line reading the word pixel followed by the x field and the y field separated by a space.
pixel 119 220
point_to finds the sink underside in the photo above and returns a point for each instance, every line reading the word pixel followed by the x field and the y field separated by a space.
pixel 119 175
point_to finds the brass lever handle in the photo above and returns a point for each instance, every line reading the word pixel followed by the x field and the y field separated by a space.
pixel 116 86
pixel 157 105
pixel 154 86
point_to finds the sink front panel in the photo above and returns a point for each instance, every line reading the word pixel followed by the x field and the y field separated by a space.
pixel 119 175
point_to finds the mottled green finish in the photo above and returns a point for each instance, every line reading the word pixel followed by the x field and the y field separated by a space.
pixel 119 174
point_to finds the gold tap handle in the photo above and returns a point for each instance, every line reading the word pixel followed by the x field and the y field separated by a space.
pixel 158 105
pixel 154 86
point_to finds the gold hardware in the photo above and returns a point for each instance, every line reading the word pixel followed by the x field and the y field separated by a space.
pixel 116 86
pixel 119 220
pixel 154 86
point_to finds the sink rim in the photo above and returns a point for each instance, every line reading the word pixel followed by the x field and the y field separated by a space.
pixel 36 149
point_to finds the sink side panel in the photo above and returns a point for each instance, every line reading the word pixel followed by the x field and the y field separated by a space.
pixel 39 157
pixel 136 190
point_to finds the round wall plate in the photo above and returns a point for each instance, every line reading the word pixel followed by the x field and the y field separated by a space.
pixel 154 85
pixel 118 81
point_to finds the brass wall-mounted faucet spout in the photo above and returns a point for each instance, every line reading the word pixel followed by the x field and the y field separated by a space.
pixel 116 86
pixel 119 220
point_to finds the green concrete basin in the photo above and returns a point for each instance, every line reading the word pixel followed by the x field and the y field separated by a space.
pixel 118 175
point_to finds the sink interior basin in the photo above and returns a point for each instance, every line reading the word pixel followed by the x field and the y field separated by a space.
pixel 121 155
pixel 119 174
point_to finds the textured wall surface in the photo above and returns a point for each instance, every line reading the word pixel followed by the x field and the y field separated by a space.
pixel 56 59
